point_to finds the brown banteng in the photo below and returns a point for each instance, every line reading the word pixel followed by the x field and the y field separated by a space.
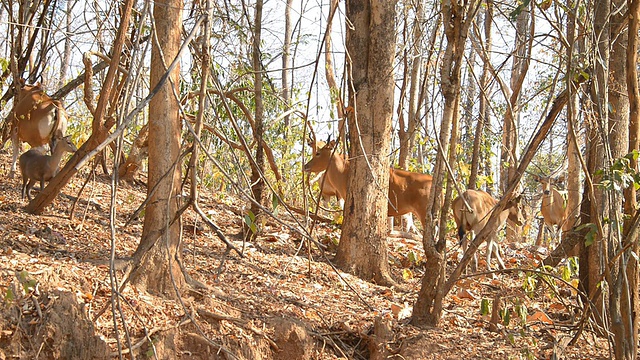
pixel 553 206
pixel 474 219
pixel 36 119
pixel 327 190
pixel 408 191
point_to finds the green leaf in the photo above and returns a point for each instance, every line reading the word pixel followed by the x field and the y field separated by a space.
pixel 566 273
pixel 521 310
pixel 505 314
pixel 484 307
pixel 250 220
pixel 584 74
pixel 412 257
pixel 590 236
pixel 4 64
pixel 516 12
pixel 9 296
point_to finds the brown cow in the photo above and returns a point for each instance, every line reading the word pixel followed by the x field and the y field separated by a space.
pixel 408 191
pixel 482 204
pixel 37 120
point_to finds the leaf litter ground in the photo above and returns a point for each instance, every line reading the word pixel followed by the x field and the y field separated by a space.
pixel 281 300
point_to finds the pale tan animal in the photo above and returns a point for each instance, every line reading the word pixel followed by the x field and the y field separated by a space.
pixel 37 120
pixel 327 190
pixel 36 166
pixel 482 204
pixel 408 191
pixel 553 206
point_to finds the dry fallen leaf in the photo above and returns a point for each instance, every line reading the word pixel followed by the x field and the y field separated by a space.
pixel 556 306
pixel 395 310
pixel 466 294
pixel 539 316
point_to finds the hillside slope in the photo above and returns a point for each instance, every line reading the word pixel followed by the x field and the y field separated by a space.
pixel 281 300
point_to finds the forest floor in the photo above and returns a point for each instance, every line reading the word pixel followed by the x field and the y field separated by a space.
pixel 280 301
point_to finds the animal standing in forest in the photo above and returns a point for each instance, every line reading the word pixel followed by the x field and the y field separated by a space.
pixel 473 220
pixel 36 166
pixel 36 119
pixel 553 206
pixel 408 191
pixel 327 190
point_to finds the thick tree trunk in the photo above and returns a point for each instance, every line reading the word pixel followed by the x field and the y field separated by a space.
pixel 159 255
pixel 363 249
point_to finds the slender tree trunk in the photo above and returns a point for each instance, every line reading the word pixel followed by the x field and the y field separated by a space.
pixel 371 51
pixel 573 149
pixel 468 109
pixel 574 166
pixel 159 255
pixel 407 140
pixel 620 295
pixel 521 59
pixel 66 55
pixel 456 21
pixel 334 89
pixel 593 257
pixel 257 168
pixel 286 62
pixel 632 307
pixel 483 101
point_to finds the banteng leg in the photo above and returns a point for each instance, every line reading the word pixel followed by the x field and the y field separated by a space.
pixel 493 247
pixel 17 148
pixel 464 245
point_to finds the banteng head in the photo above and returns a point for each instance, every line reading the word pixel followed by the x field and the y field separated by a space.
pixel 321 158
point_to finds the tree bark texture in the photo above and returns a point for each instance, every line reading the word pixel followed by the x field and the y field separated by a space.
pixel 457 19
pixel 521 59
pixel 159 254
pixel 371 50
pixel 593 257
pixel 632 308
pixel 257 166
pixel 484 110
pixel 407 136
